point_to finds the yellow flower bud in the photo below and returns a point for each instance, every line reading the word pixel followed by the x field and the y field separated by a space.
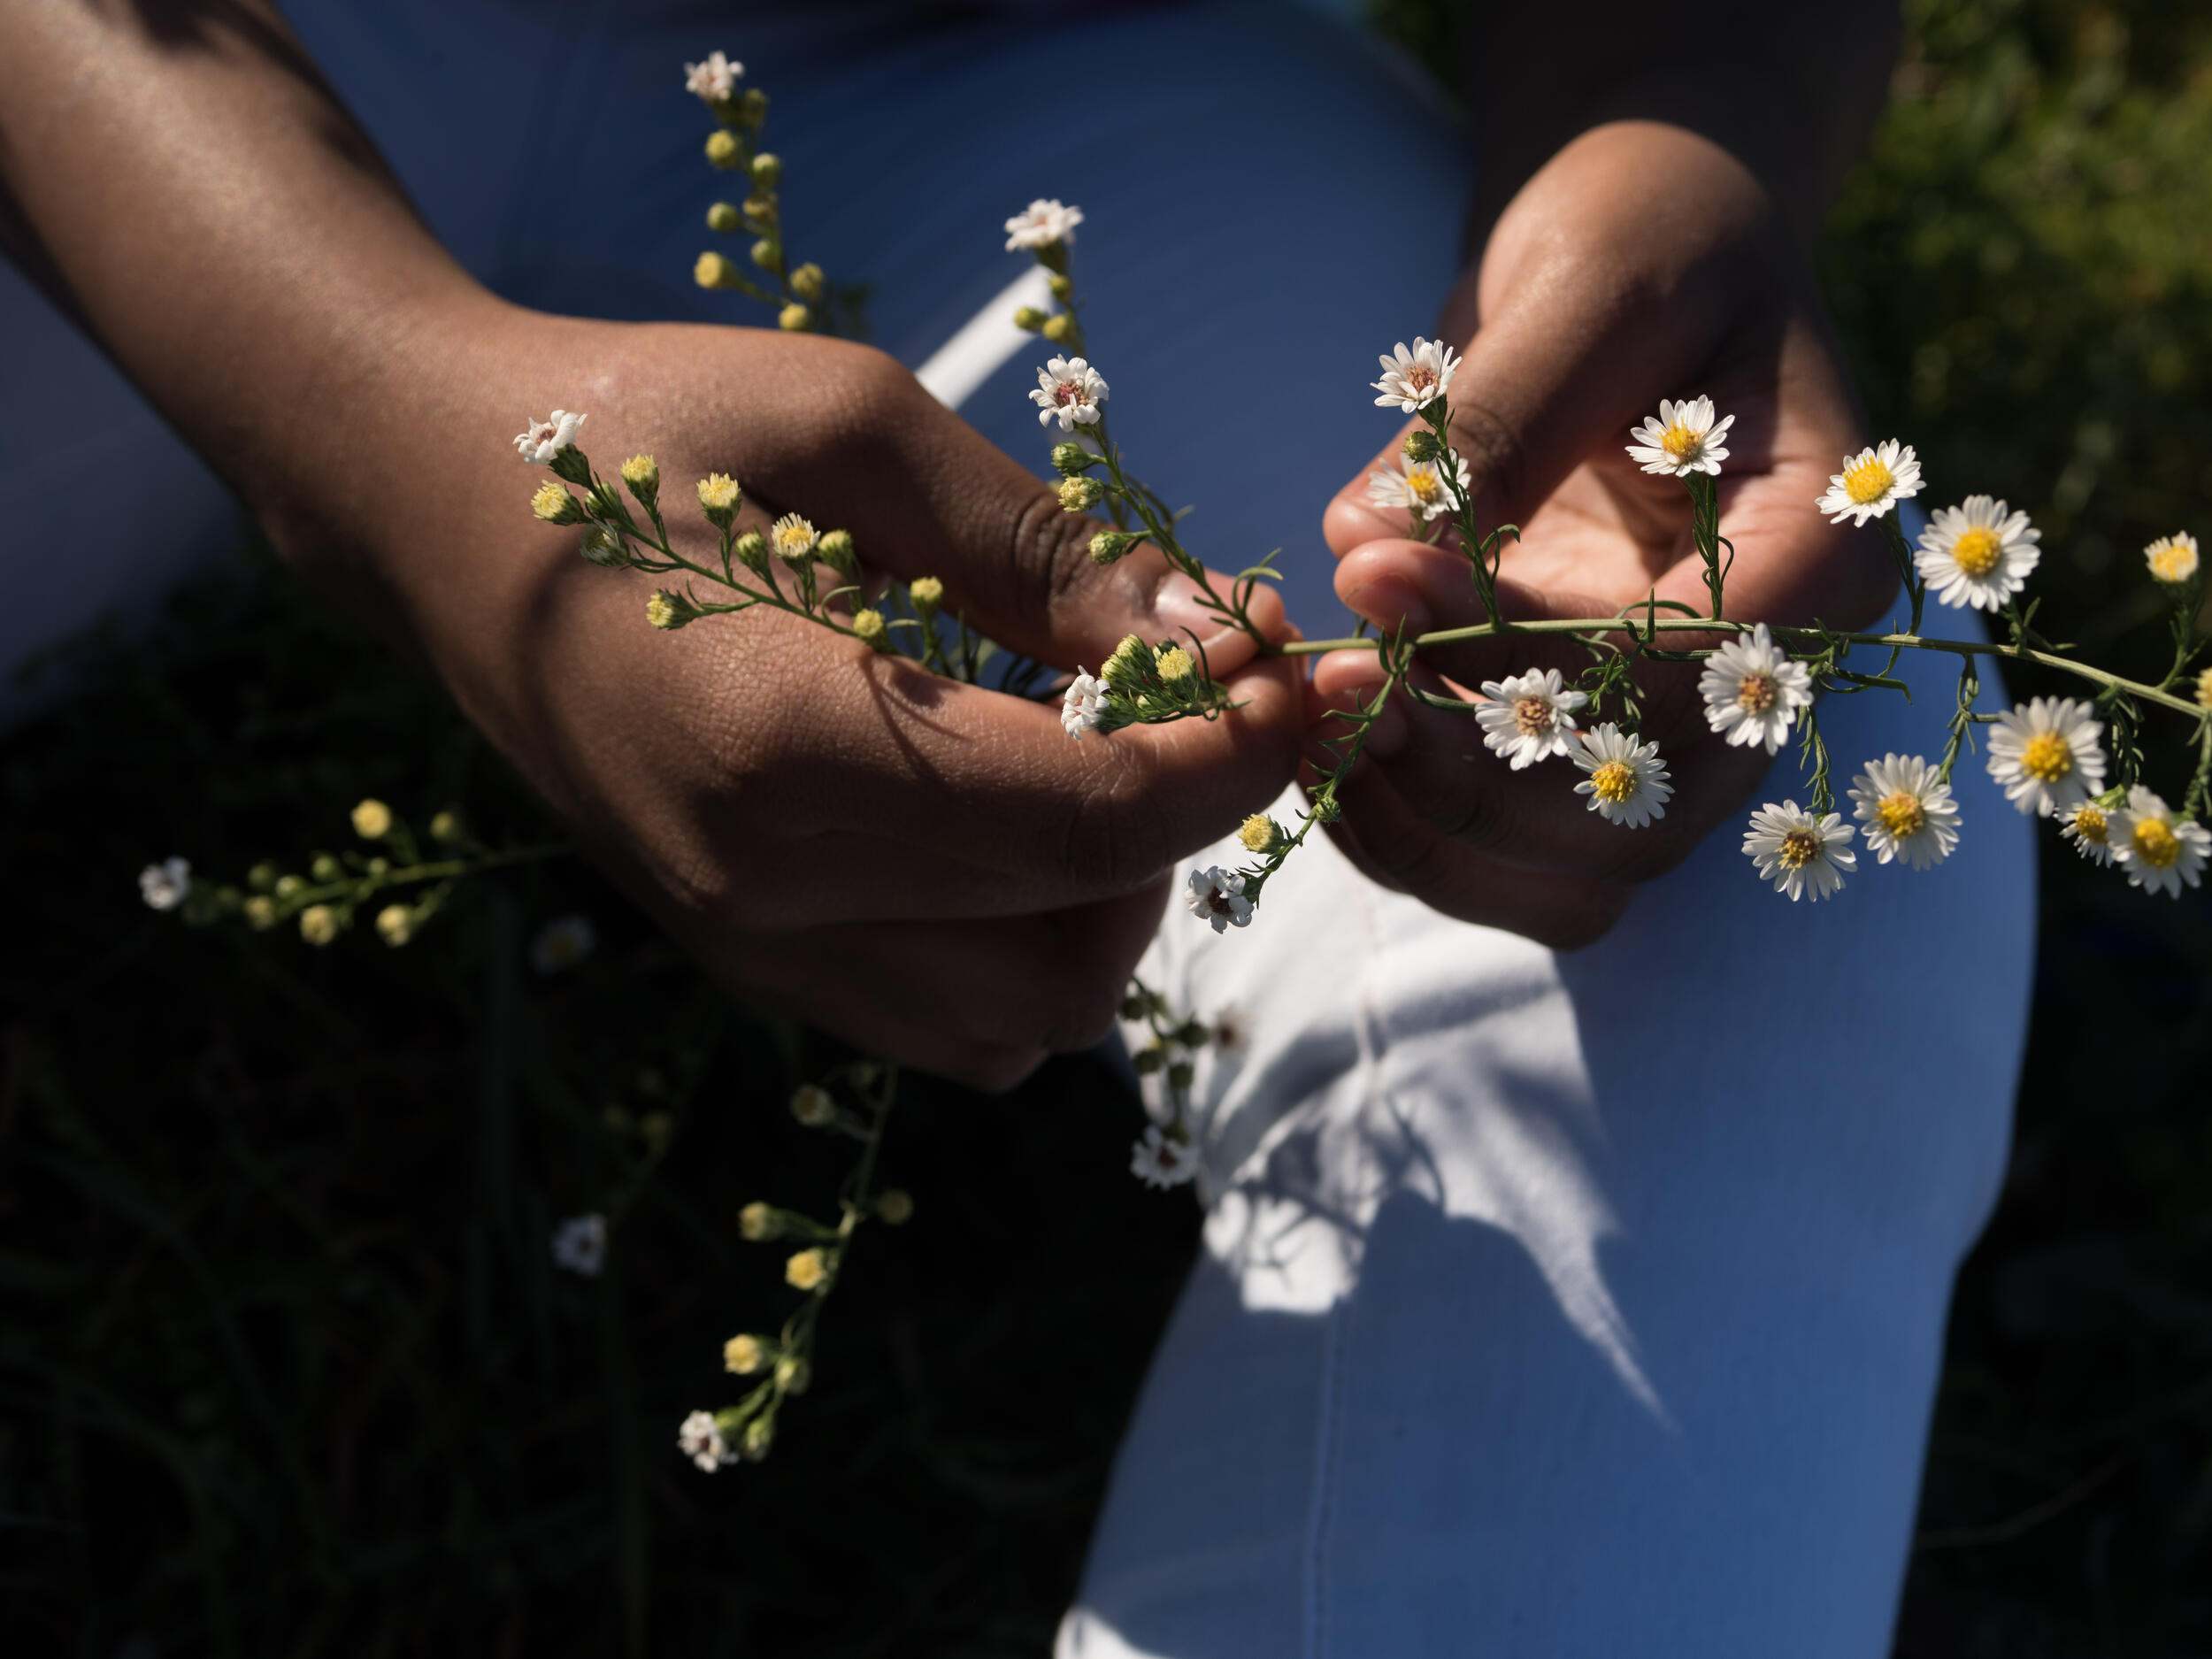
pixel 1260 834
pixel 324 867
pixel 260 912
pixel 712 271
pixel 722 217
pixel 760 212
pixel 811 1105
pixel 896 1205
pixel 1174 664
pixel 1028 318
pixel 396 924
pixel 927 593
pixel 372 820
pixel 719 496
pixel 752 108
pixel 793 1374
pixel 794 318
pixel 808 1270
pixel 806 282
pixel 723 150
pixel 1080 493
pixel 642 473
pixel 744 1355
pixel 319 924
pixel 869 626
pixel 757 1222
pixel 555 505
pixel 2204 689
pixel 1063 287
pixel 446 827
pixel 767 255
pixel 1059 327
pixel 767 170
pixel 661 611
pixel 760 1434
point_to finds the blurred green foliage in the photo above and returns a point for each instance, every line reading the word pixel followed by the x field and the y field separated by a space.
pixel 287 1368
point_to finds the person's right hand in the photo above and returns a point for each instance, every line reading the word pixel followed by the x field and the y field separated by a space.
pixel 933 872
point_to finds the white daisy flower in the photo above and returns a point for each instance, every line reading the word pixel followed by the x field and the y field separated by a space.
pixel 1753 690
pixel 1529 717
pixel 1976 554
pixel 1872 481
pixel 793 537
pixel 1803 855
pixel 543 439
pixel 2089 827
pixel 1217 895
pixel 2172 559
pixel 2160 853
pixel 580 1244
pixel 1163 1160
pixel 1627 782
pixel 1684 439
pixel 2045 754
pixel 1071 390
pixel 1417 488
pixel 715 81
pixel 165 885
pixel 700 1440
pixel 1414 380
pixel 1082 704
pixel 562 943
pixel 1908 811
pixel 1044 222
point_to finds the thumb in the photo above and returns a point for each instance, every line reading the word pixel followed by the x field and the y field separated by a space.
pixel 945 502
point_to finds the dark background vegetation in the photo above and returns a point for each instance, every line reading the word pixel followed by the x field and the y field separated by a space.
pixel 286 1366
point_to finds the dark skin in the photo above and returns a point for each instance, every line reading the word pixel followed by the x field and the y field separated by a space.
pixel 931 871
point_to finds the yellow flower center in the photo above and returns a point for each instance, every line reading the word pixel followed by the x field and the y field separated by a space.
pixel 2089 824
pixel 1867 481
pixel 2156 842
pixel 1680 442
pixel 1799 847
pixel 1613 782
pixel 1532 716
pixel 792 538
pixel 2047 757
pixel 1423 484
pixel 1901 815
pixel 2173 561
pixel 1755 694
pixel 1977 551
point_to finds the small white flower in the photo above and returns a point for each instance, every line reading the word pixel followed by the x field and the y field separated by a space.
pixel 1081 705
pixel 793 537
pixel 163 886
pixel 1414 380
pixel 1417 488
pixel 1044 222
pixel 1069 388
pixel 2089 827
pixel 1163 1160
pixel 1530 717
pixel 545 439
pixel 1908 811
pixel 1803 855
pixel 1872 481
pixel 714 80
pixel 2160 853
pixel 701 1440
pixel 2172 559
pixel 1684 439
pixel 1976 554
pixel 1753 690
pixel 2045 755
pixel 562 943
pixel 580 1244
pixel 1217 895
pixel 1627 781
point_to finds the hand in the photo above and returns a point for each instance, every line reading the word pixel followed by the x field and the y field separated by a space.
pixel 1641 262
pixel 932 870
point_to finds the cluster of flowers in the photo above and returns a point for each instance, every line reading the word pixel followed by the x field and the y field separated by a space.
pixel 785 1361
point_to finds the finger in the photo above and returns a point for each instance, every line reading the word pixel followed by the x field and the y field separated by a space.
pixel 924 494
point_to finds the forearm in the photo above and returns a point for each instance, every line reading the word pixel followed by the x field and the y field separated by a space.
pixel 1790 89
pixel 180 177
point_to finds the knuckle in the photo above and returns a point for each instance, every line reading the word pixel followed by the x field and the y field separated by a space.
pixel 1493 448
pixel 1109 836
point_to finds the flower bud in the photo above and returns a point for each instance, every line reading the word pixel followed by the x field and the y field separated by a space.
pixel 808 1270
pixel 712 271
pixel 1422 445
pixel 2204 689
pixel 603 547
pixel 642 474
pixel 1070 457
pixel 318 925
pixel 396 924
pixel 1028 318
pixel 1059 327
pixel 793 1374
pixel 760 212
pixel 1063 287
pixel 1194 1034
pixel 836 550
pixel 1108 545
pixel 262 877
pixel 1080 493
pixel 928 594
pixel 1260 835
pixel 794 318
pixel 260 911
pixel 760 1434
pixel 1135 1006
pixel 1181 1075
pixel 811 1105
pixel 767 170
pixel 1125 668
pixel 752 107
pixel 744 1355
pixel 724 150
pixel 806 282
pixel 372 820
pixel 751 549
pixel 757 1223
pixel 1174 664
pixel 289 886
pixel 555 505
pixel 723 216
pixel 895 1206
pixel 767 255
pixel 868 625
pixel 718 498
pixel 325 868
pixel 669 611
pixel 379 866
pixel 445 827
pixel 1149 1060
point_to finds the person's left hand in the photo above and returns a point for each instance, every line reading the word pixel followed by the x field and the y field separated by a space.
pixel 1641 262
